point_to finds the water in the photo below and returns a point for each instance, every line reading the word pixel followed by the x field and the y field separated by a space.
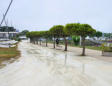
pixel 41 66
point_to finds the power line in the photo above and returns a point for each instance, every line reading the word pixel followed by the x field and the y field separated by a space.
pixel 6 12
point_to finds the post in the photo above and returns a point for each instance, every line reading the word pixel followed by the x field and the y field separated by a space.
pixel 54 41
pixel 46 42
pixel 66 43
pixel 83 45
pixel 80 41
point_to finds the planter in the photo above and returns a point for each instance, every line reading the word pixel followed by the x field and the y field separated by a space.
pixel 108 54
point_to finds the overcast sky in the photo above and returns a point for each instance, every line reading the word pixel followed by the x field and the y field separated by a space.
pixel 43 14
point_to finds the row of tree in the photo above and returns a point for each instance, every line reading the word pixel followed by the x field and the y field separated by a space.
pixel 108 35
pixel 60 31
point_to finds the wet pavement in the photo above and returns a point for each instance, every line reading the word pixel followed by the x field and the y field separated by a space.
pixel 42 66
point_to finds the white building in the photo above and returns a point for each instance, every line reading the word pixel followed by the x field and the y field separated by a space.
pixel 6 35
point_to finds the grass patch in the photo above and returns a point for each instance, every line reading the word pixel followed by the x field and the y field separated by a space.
pixel 90 47
pixel 94 47
pixel 8 53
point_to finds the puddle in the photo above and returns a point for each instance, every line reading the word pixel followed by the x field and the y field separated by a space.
pixel 41 66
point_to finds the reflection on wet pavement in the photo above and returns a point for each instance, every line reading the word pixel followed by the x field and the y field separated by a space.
pixel 49 67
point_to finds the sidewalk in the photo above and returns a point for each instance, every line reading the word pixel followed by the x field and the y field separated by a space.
pixel 89 52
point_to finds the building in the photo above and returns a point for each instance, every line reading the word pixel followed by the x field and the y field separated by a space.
pixel 23 37
pixel 7 35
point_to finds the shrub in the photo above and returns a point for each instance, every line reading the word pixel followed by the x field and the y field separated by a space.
pixel 106 47
pixel 76 40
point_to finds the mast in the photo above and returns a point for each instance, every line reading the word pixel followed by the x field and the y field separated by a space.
pixel 6 12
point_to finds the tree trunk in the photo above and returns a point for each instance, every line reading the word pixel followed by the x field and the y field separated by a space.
pixel 83 45
pixel 40 42
pixel 30 40
pixel 37 42
pixel 46 43
pixel 54 42
pixel 33 41
pixel 66 43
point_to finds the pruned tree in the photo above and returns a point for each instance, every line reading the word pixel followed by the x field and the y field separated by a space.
pixel 46 35
pixel 56 31
pixel 82 30
pixel 24 32
pixel 98 34
pixel 34 36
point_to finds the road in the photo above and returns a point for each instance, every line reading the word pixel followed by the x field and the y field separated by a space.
pixel 42 66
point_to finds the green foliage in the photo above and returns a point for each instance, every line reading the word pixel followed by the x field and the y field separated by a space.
pixel 76 40
pixel 38 34
pixel 24 32
pixel 84 30
pixel 57 30
pixel 108 35
pixel 33 34
pixel 79 29
pixel 71 28
pixel 17 39
pixel 98 34
pixel 107 47
pixel 45 34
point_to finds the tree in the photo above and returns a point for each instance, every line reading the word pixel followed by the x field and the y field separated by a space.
pixel 24 32
pixel 46 35
pixel 82 30
pixel 30 35
pixel 70 30
pixel 108 35
pixel 34 36
pixel 98 34
pixel 56 31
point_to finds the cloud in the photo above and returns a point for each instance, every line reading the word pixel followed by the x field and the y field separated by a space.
pixel 42 14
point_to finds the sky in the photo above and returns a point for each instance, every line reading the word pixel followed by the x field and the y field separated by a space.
pixel 36 15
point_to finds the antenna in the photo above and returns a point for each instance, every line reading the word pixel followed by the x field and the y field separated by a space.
pixel 6 12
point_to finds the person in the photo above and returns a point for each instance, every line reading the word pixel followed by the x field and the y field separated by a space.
pixel 57 42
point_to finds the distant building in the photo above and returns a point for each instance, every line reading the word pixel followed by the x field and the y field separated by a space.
pixel 6 35
pixel 23 37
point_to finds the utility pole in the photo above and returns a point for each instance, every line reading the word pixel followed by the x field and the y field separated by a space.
pixel 6 12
